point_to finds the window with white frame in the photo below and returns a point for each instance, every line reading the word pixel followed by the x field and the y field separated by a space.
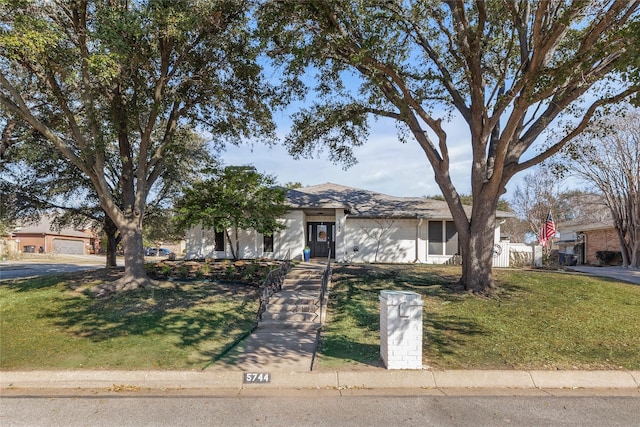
pixel 443 238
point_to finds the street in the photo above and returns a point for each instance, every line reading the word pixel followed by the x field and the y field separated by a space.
pixel 45 265
pixel 319 410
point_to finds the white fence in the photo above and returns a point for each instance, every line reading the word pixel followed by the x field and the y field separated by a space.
pixel 507 254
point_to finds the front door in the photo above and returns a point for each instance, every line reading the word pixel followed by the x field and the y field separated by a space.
pixel 320 238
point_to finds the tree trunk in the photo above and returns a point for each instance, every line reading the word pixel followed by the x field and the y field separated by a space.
pixel 134 272
pixel 234 255
pixel 135 275
pixel 476 239
pixel 111 232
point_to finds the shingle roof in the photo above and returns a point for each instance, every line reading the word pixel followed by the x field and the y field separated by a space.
pixel 45 226
pixel 364 203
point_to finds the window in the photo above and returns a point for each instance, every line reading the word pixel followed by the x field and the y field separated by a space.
pixel 443 238
pixel 435 238
pixel 267 242
pixel 219 240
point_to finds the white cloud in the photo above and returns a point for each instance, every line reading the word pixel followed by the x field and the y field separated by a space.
pixel 384 164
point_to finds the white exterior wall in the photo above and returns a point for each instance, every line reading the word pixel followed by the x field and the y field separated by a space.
pixel 397 239
pixel 340 237
pixel 401 240
pixel 291 239
pixel 200 243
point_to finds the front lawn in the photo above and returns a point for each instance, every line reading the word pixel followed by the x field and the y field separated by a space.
pixel 55 323
pixel 536 320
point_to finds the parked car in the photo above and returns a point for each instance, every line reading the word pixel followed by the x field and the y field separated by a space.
pixel 163 252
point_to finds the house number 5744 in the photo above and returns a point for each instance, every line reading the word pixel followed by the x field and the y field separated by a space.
pixel 254 377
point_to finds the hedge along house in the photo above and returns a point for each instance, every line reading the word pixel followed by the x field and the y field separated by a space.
pixel 351 224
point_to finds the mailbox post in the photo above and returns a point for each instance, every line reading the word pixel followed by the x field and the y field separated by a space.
pixel 401 329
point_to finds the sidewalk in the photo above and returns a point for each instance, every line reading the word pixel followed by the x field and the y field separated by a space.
pixel 335 382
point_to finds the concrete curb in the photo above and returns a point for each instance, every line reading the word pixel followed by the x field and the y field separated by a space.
pixel 373 379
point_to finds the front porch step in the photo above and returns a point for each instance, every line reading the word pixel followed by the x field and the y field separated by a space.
pixel 304 274
pixel 301 288
pixel 291 317
pixel 314 282
pixel 291 308
pixel 279 299
pixel 279 325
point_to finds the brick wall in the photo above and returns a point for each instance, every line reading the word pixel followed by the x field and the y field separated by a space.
pixel 401 329
pixel 600 240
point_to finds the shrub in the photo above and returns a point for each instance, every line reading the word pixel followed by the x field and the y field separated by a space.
pixel 183 272
pixel 609 257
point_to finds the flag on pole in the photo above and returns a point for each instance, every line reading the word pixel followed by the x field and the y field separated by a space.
pixel 548 230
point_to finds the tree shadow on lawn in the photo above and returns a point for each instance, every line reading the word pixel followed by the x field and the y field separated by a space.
pixel 193 314
pixel 354 300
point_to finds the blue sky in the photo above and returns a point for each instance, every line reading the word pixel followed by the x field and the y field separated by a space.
pixel 385 165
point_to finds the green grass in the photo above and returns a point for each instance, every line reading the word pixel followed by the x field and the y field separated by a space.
pixel 52 323
pixel 536 320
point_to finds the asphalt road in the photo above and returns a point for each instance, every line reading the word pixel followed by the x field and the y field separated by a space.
pixel 320 411
pixel 42 266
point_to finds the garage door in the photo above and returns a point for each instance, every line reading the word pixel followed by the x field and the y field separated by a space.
pixel 66 246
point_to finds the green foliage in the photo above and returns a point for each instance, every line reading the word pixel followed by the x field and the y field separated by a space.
pixel 117 88
pixel 233 198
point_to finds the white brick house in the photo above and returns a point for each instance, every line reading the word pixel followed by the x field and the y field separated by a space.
pixel 356 225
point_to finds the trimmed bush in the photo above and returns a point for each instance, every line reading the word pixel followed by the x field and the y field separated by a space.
pixel 609 257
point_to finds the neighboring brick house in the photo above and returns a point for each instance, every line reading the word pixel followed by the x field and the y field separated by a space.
pixel 599 237
pixel 585 237
pixel 44 238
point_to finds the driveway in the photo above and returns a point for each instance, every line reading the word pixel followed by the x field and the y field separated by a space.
pixel 618 273
pixel 46 265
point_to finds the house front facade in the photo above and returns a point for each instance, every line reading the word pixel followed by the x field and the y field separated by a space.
pixel 348 224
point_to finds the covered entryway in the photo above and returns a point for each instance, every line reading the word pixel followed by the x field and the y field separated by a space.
pixel 321 239
pixel 68 246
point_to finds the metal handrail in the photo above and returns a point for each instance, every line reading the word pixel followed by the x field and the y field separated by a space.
pixel 273 283
pixel 326 278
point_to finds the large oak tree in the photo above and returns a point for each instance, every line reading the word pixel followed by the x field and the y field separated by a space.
pixel 110 81
pixel 506 69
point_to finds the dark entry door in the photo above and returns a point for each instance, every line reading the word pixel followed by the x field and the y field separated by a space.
pixel 320 238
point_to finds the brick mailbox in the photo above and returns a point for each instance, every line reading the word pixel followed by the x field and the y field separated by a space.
pixel 401 329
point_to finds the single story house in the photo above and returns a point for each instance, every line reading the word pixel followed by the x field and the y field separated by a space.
pixel 42 237
pixel 350 224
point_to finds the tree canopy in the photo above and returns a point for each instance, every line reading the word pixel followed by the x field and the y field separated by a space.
pixel 508 70
pixel 108 85
pixel 236 198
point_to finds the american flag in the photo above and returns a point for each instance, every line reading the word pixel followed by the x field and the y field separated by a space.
pixel 548 230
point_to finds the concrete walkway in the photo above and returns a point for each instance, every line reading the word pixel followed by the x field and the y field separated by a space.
pixel 618 273
pixel 287 336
